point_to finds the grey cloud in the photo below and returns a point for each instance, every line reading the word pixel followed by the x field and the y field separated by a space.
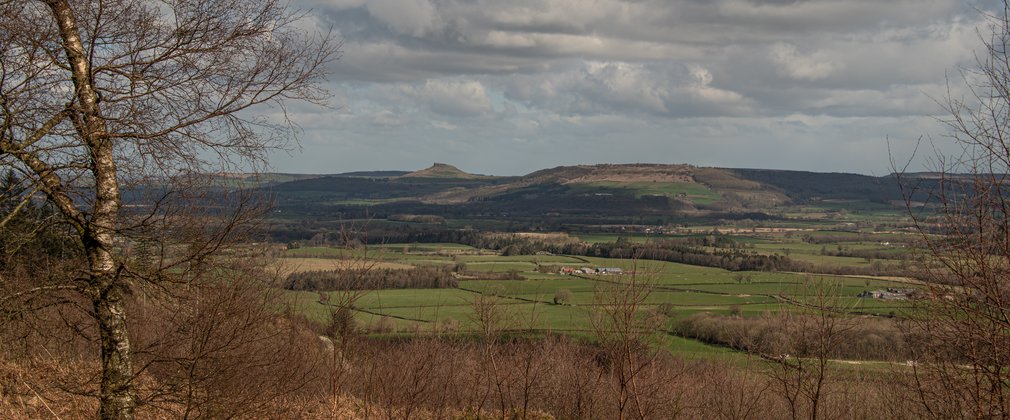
pixel 540 76
pixel 800 66
pixel 410 17
pixel 619 87
pixel 387 118
pixel 818 143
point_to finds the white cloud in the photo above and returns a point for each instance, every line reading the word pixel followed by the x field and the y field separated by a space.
pixel 626 84
pixel 387 118
pixel 802 67
pixel 444 125
pixel 596 87
pixel 703 91
pixel 506 39
pixel 451 97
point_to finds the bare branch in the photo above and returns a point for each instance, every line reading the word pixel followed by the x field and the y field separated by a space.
pixel 39 289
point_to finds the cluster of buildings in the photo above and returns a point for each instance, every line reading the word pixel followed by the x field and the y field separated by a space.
pixel 890 293
pixel 587 270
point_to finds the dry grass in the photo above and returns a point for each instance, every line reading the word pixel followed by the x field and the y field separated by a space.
pixel 353 408
pixel 26 390
pixel 636 173
pixel 554 236
pixel 430 379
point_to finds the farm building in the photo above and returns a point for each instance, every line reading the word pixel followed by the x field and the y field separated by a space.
pixel 887 294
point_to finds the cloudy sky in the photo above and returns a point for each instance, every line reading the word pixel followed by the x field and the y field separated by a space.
pixel 508 87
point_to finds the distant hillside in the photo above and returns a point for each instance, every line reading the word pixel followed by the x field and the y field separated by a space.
pixel 806 186
pixel 372 174
pixel 686 184
pixel 611 190
pixel 250 180
pixel 442 171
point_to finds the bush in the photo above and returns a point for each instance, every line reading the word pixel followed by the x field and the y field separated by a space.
pixel 384 325
pixel 562 296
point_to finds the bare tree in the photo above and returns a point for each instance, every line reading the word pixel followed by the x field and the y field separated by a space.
pixel 97 93
pixel 963 338
pixel 343 330
pixel 220 350
pixel 627 334
pixel 492 317
pixel 802 373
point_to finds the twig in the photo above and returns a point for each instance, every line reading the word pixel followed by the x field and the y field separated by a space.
pixel 38 396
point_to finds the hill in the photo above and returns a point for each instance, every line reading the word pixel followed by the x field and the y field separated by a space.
pixel 596 192
pixel 442 171
pixel 372 174
pixel 686 184
pixel 806 186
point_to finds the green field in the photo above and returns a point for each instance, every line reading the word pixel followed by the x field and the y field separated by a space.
pixel 679 289
pixel 693 192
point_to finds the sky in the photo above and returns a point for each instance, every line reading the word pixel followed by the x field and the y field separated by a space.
pixel 510 87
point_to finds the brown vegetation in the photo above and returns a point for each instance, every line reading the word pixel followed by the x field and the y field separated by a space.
pixel 214 349
pixel 373 278
pixel 292 265
pixel 773 335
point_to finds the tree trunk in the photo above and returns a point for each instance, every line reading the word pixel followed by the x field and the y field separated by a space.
pixel 104 290
pixel 117 400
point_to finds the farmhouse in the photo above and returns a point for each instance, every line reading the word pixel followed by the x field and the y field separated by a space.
pixel 887 294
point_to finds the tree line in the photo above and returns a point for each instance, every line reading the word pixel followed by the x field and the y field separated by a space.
pixel 421 277
pixel 772 335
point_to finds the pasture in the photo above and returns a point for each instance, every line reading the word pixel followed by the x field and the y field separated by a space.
pixel 671 291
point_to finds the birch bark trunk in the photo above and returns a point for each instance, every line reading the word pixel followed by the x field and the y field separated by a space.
pixel 106 293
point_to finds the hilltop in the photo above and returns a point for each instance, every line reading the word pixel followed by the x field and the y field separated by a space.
pixel 442 171
pixel 685 184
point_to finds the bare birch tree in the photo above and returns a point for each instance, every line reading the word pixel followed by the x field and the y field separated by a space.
pixel 97 93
